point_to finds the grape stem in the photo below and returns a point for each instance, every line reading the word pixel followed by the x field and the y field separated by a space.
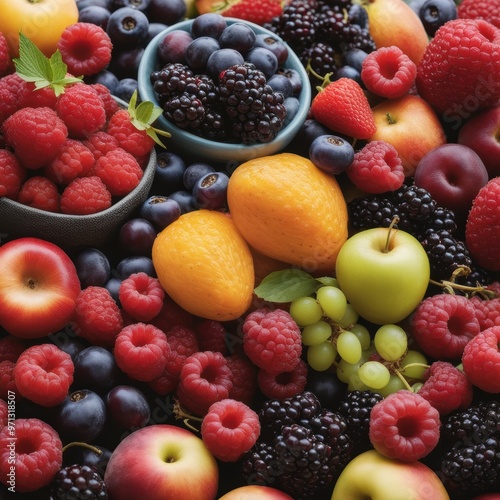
pixel 186 417
pixel 84 445
pixel 400 376
pixel 412 365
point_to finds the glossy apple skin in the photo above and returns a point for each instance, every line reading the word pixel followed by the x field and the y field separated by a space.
pixel 162 462
pixel 42 21
pixel 453 174
pixel 482 134
pixel 371 475
pixel 412 127
pixel 383 287
pixel 38 288
pixel 255 492
pixel 393 22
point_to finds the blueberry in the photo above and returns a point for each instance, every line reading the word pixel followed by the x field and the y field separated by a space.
pixel 274 44
pixel 327 387
pixel 153 30
pixel 282 84
pixel 309 130
pixel 94 15
pixel 81 416
pixel 83 4
pixel 358 15
pixel 92 267
pixel 348 72
pixel 127 407
pixel 194 172
pixel 136 236
pixel 354 57
pixel 167 12
pixel 160 211
pixel 125 63
pixel 169 171
pixel 222 59
pixel 211 191
pixel 199 50
pixel 238 36
pixel 172 47
pixel 263 59
pixel 135 264
pixel 125 88
pixel 113 287
pixel 69 344
pixel 185 200
pixel 331 153
pixel 294 77
pixel 415 5
pixel 209 24
pixel 106 78
pixel 96 369
pixel 141 5
pixel 292 105
pixel 127 28
pixel 435 13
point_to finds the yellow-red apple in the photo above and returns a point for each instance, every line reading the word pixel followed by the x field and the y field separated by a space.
pixel 255 492
pixel 410 124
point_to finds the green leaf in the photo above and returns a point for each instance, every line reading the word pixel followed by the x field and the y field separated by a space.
pixel 286 285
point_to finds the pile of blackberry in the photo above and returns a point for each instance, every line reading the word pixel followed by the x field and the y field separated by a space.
pixel 434 226
pixel 471 462
pixel 322 32
pixel 302 448
pixel 241 107
pixel 78 482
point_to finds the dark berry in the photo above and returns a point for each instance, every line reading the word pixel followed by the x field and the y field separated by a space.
pixel 154 29
pixel 435 13
pixel 127 27
pixel 169 171
pixel 93 267
pixel 127 407
pixel 77 482
pixel 327 387
pixel 94 15
pixel 160 211
pixel 126 88
pixel 210 191
pixel 199 50
pixel 125 63
pixel 274 44
pixel 135 264
pixel 331 153
pixel 136 236
pixel 280 83
pixel 172 47
pixel 168 12
pixel 184 199
pixel 106 78
pixel 209 24
pixel 264 60
pixel 194 172
pixel 238 36
pixel 135 4
pixel 221 60
pixel 97 457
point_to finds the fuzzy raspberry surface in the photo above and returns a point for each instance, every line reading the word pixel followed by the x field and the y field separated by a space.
pixel 4 413
pixel 404 426
pixel 100 143
pixel 244 377
pixel 141 296
pixel 5 59
pixel 481 360
pixel 283 385
pixel 11 87
pixel 31 97
pixel 489 10
pixel 272 340
pixel 11 348
pixel 40 192
pixel 38 454
pixel 12 174
pixel 110 104
pixel 7 382
pixel 84 196
pixel 212 335
pixel 43 374
pixel 487 311
pixel 482 229
pixel 229 429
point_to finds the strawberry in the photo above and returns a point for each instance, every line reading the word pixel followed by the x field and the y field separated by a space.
pixel 489 10
pixel 255 11
pixel 482 230
pixel 343 107
pixel 460 69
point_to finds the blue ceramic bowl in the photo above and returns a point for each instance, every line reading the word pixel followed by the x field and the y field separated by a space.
pixel 220 151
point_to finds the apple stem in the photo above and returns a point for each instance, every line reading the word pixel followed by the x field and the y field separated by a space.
pixel 389 235
pixel 84 445
pixel 390 119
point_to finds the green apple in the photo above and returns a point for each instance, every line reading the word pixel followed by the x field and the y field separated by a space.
pixel 384 273
pixel 371 475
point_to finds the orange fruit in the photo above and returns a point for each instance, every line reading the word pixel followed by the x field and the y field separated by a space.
pixel 205 265
pixel 288 209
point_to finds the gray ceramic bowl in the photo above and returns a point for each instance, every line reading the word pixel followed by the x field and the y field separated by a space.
pixel 220 151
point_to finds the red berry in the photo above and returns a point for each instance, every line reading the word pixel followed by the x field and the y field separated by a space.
pixel 39 192
pixel 110 104
pixel 100 143
pixel 244 378
pixel 272 340
pixel 85 48
pixel 229 429
pixel 211 335
pixel 84 196
pixel 283 385
pixel 142 351
pixel 38 454
pixel 11 87
pixel 31 97
pixel 255 11
pixel 141 296
pixel 43 374
pixel 4 413
pixel 5 59
pixel 443 324
pixel 172 314
pixel 487 311
pixel 7 382
pixel 404 426
pixel 489 10
pixel 12 174
pixel 481 360
pixel 10 348
pixel 377 168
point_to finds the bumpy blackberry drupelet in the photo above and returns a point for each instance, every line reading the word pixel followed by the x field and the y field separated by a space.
pixel 171 80
pixel 77 482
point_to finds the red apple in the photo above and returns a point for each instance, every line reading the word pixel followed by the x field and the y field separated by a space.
pixel 411 126
pixel 453 174
pixel 255 492
pixel 482 134
pixel 38 287
pixel 162 462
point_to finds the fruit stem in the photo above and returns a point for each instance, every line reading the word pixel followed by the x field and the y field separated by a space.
pixel 390 119
pixel 389 229
pixel 405 383
pixel 451 286
pixel 412 365
pixel 186 417
pixel 83 445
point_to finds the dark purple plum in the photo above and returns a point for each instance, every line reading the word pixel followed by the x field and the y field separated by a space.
pixel 263 59
pixel 210 191
pixel 167 12
pixel 172 47
pixel 93 267
pixel 125 88
pixel 222 59
pixel 209 24
pixel 238 36
pixel 199 50
pixel 280 83
pixel 274 44
pixel 94 15
pixel 196 171
pixel 127 407
pixel 135 264
pixel 160 211
pixel 184 199
pixel 127 28
pixel 331 153
pixel 169 171
pixel 70 344
pixel 136 236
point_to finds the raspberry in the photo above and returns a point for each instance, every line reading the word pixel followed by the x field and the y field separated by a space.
pixel 443 324
pixel 460 68
pixel 10 348
pixel 4 414
pixel 481 360
pixel 85 48
pixel 141 296
pixel 110 104
pixel 82 110
pixel 388 72
pixel 100 143
pixel 211 335
pixel 272 340
pixel 97 317
pixel 35 135
pixel 172 314
pixel 482 230
pixel 142 351
pixel 489 10
pixel 73 160
pixel 5 59
pixel 43 374
pixel 11 87
pixel 84 196
pixel 7 382
pixel 205 379
pixel 487 311
pixel 183 342
pixel 404 426
pixel 446 388
pixel 283 385
pixel 377 168
pixel 134 141
pixel 244 378
pixel 39 192
pixel 229 429
pixel 38 454
pixel 12 175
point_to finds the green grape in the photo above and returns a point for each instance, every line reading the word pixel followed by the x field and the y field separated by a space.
pixel 350 317
pixel 395 384
pixel 355 384
pixel 349 347
pixel 345 369
pixel 329 281
pixel 321 356
pixel 417 386
pixel 374 374
pixel 333 301
pixel 391 342
pixel 362 333
pixel 419 361
pixel 305 311
pixel 316 333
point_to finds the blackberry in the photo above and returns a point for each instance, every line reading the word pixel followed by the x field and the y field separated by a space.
pixel 170 80
pixel 371 211
pixel 441 219
pixel 78 482
pixel 356 408
pixel 331 22
pixel 260 465
pixel 184 110
pixel 319 59
pixel 203 88
pixel 213 126
pixel 416 202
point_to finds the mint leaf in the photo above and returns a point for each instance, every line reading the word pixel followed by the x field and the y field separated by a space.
pixel 286 285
